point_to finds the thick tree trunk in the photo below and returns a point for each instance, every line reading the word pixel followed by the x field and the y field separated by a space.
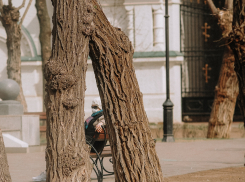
pixel 4 168
pixel 224 104
pixel 238 46
pixel 67 154
pixel 133 148
pixel 10 19
pixel 45 34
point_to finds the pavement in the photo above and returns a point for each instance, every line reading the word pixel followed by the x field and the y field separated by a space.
pixel 180 157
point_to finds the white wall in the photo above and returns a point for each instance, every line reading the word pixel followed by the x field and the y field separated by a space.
pixel 150 73
pixel 143 21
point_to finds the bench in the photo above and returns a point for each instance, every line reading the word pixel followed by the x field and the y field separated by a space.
pixel 105 153
pixel 98 157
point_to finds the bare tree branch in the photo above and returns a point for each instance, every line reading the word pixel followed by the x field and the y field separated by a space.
pixel 10 3
pixel 27 8
pixel 226 4
pixel 21 6
pixel 212 7
pixel 230 4
pixel 1 7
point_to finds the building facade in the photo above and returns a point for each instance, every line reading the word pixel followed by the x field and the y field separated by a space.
pixel 143 21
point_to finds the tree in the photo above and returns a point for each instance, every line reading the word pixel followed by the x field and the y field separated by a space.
pixel 226 90
pixel 77 26
pixel 67 155
pixel 45 33
pixel 238 46
pixel 4 169
pixel 10 18
pixel 132 145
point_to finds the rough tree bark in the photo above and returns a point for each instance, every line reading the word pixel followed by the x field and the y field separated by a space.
pixel 45 34
pixel 226 91
pixel 67 154
pixel 10 18
pixel 238 46
pixel 133 148
pixel 224 104
pixel 4 169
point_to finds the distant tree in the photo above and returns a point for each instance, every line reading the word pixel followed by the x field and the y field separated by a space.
pixel 133 148
pixel 45 34
pixel 10 18
pixel 226 90
pixel 238 46
pixel 4 169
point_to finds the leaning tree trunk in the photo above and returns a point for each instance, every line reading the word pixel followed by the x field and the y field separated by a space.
pixel 4 169
pixel 10 19
pixel 45 34
pixel 132 145
pixel 224 104
pixel 226 91
pixel 238 46
pixel 67 154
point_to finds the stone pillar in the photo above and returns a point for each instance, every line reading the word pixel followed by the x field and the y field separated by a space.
pixel 130 18
pixel 9 90
pixel 12 120
pixel 158 27
pixel 174 27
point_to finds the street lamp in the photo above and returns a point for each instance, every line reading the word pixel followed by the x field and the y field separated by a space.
pixel 167 105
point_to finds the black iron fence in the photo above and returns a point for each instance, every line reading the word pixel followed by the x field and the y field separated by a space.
pixel 201 45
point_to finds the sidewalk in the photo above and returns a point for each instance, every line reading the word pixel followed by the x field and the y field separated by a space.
pixel 177 158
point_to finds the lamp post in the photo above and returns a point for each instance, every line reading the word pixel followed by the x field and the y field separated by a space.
pixel 167 105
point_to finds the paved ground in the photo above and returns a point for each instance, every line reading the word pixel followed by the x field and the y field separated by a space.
pixel 230 174
pixel 177 158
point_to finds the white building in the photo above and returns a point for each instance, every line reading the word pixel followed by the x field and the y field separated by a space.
pixel 143 21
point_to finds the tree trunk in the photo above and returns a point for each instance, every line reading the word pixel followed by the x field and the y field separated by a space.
pixel 45 34
pixel 67 154
pixel 4 169
pixel 45 30
pixel 10 19
pixel 133 148
pixel 238 46
pixel 224 104
pixel 226 91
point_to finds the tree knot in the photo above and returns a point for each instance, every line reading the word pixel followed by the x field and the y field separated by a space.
pixel 87 19
pixel 10 14
pixel 63 82
pixel 70 160
pixel 70 102
pixel 57 75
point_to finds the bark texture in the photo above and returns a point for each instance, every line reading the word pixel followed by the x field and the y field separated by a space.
pixel 10 18
pixel 224 104
pixel 45 34
pixel 4 169
pixel 226 90
pixel 133 148
pixel 238 46
pixel 67 155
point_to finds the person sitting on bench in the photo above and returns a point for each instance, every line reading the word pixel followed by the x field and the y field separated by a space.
pixel 93 125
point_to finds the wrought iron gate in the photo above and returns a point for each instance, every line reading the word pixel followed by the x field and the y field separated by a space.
pixel 203 52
